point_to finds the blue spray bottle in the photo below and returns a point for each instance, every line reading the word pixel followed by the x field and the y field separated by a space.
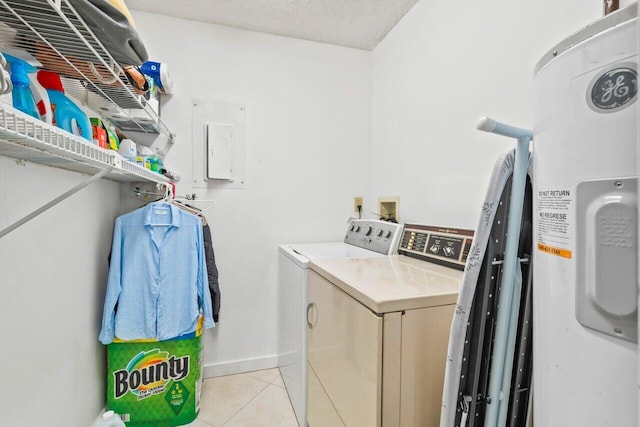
pixel 22 97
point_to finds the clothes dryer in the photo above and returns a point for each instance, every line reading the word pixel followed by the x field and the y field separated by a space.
pixel 378 329
pixel 363 239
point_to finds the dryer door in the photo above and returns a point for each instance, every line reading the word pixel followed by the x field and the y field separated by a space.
pixel 345 356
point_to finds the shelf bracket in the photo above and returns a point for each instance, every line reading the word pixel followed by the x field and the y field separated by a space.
pixel 55 201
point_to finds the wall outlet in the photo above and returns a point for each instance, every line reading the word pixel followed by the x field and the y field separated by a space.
pixel 357 201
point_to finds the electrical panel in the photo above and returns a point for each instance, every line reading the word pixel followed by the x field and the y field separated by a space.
pixel 220 146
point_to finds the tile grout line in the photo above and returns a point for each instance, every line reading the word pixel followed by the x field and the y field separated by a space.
pixel 267 384
pixel 252 399
pixel 235 413
pixel 202 421
pixel 260 379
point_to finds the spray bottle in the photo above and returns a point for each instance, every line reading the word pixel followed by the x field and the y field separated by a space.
pixel 66 114
pixel 21 94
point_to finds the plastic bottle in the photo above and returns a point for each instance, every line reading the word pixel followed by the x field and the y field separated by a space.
pixel 21 94
pixel 155 164
pixel 66 114
pixel 6 87
pixel 127 149
pixel 159 72
pixel 41 98
pixel 111 419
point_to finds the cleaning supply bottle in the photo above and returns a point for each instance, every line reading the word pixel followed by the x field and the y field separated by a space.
pixel 111 419
pixel 21 94
pixel 66 114
pixel 41 98
pixel 6 87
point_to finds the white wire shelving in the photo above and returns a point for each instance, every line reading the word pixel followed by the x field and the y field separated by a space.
pixel 54 33
pixel 24 138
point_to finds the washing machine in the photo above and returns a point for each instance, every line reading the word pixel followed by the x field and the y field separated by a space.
pixel 363 239
pixel 378 330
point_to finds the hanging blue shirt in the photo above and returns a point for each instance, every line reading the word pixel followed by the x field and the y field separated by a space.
pixel 157 278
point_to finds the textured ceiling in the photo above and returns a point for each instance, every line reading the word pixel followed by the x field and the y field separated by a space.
pixel 351 23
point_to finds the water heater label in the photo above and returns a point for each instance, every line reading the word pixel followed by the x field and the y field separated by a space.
pixel 554 222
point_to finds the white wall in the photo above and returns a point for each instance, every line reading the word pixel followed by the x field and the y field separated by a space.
pixel 441 68
pixel 307 156
pixel 52 277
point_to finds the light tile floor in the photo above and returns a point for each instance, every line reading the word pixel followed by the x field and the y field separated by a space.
pixel 253 399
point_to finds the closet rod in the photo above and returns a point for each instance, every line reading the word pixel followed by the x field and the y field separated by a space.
pixel 138 192
pixel 54 202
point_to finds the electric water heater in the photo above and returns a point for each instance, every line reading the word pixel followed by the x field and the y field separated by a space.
pixel 585 227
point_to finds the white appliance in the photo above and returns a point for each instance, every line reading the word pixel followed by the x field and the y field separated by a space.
pixel 585 228
pixel 363 239
pixel 378 330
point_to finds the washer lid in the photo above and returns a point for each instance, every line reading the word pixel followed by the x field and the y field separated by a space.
pixel 301 253
pixel 392 283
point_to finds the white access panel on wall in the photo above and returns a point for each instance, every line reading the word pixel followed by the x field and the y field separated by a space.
pixel 218 144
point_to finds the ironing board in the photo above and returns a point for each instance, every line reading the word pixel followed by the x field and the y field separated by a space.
pixel 466 389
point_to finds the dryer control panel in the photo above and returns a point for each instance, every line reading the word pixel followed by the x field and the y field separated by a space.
pixel 440 245
pixel 375 235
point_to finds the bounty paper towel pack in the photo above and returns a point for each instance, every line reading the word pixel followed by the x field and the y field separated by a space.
pixel 155 383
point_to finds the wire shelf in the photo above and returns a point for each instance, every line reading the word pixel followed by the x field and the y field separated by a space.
pixel 24 138
pixel 55 35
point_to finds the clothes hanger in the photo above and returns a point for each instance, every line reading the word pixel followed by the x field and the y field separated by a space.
pixel 192 198
pixel 166 199
pixel 208 207
pixel 167 194
pixel 187 208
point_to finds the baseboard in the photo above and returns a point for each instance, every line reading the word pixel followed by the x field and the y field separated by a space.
pixel 211 370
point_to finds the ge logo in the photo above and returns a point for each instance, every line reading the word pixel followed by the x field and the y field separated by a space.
pixel 614 89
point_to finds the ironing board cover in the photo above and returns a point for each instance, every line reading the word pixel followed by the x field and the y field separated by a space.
pixel 502 170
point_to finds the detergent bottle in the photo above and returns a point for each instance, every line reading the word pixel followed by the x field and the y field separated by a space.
pixel 66 114
pixel 21 94
pixel 41 98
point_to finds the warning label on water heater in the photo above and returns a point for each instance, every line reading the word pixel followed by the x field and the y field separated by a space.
pixel 554 222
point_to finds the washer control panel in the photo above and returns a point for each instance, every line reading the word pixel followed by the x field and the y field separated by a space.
pixel 375 235
pixel 440 245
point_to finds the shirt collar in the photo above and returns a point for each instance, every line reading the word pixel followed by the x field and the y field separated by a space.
pixel 176 221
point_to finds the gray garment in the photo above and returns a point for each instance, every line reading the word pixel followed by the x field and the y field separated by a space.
pixel 212 271
pixel 502 171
